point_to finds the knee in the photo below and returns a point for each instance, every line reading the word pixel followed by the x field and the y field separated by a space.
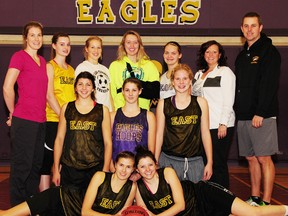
pixel 265 160
pixel 251 159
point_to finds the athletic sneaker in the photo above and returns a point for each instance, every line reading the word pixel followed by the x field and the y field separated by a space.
pixel 251 202
pixel 262 203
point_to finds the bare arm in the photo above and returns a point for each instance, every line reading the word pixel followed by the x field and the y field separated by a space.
pixel 58 146
pixel 91 194
pixel 160 119
pixel 130 199
pixel 206 137
pixel 51 99
pixel 151 131
pixel 112 117
pixel 111 102
pixel 9 92
pixel 177 193
pixel 107 136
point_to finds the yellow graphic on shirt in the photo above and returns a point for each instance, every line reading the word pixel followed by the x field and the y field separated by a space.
pixel 79 125
pixel 163 202
pixel 184 120
pixel 109 204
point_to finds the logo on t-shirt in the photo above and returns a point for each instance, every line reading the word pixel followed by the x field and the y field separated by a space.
pixel 102 81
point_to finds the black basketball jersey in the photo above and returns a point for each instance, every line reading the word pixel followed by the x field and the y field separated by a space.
pixel 163 199
pixel 109 202
pixel 106 202
pixel 182 132
pixel 83 146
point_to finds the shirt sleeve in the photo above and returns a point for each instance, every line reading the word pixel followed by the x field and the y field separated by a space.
pixel 228 82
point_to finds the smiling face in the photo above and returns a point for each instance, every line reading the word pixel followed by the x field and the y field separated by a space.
pixel 94 51
pixel 62 46
pixel 181 81
pixel 84 88
pixel 212 55
pixel 124 168
pixel 34 38
pixel 171 55
pixel 251 29
pixel 131 46
pixel 146 167
pixel 131 92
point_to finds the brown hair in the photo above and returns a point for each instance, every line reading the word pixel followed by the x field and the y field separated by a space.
pixel 253 14
pixel 86 75
pixel 26 29
pixel 125 154
pixel 54 39
pixel 136 81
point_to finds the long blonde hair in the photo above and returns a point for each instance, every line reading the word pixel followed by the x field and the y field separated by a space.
pixel 141 52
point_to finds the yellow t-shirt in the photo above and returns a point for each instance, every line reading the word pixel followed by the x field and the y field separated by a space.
pixel 63 88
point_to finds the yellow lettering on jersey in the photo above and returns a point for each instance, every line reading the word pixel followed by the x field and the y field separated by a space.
pixel 66 80
pixel 79 125
pixel 189 12
pixel 83 9
pixel 168 7
pixel 147 17
pixel 181 120
pixel 105 14
pixel 129 11
pixel 109 204
pixel 163 202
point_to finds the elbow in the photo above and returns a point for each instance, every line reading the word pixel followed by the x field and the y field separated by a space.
pixel 6 91
pixel 84 212
pixel 49 97
pixel 183 207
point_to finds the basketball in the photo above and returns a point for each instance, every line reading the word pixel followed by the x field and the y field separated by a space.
pixel 134 211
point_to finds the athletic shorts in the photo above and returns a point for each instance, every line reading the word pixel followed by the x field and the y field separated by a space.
pixel 261 141
pixel 78 178
pixel 48 160
pixel 186 168
pixel 47 203
pixel 213 199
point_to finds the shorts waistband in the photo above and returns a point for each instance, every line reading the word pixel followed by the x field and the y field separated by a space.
pixel 183 159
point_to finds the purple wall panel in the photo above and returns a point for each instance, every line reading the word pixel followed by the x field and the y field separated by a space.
pixel 221 17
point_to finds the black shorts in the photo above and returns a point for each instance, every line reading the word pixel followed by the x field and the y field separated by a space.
pixel 48 160
pixel 213 199
pixel 78 178
pixel 46 203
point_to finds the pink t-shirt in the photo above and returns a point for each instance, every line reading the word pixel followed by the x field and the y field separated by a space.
pixel 32 87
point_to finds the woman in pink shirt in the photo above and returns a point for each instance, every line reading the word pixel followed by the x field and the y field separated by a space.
pixel 27 116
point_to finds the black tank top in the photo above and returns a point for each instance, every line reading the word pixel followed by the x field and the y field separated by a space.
pixel 109 202
pixel 106 202
pixel 163 199
pixel 182 132
pixel 83 146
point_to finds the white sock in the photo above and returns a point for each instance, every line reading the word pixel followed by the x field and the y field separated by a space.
pixel 286 213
